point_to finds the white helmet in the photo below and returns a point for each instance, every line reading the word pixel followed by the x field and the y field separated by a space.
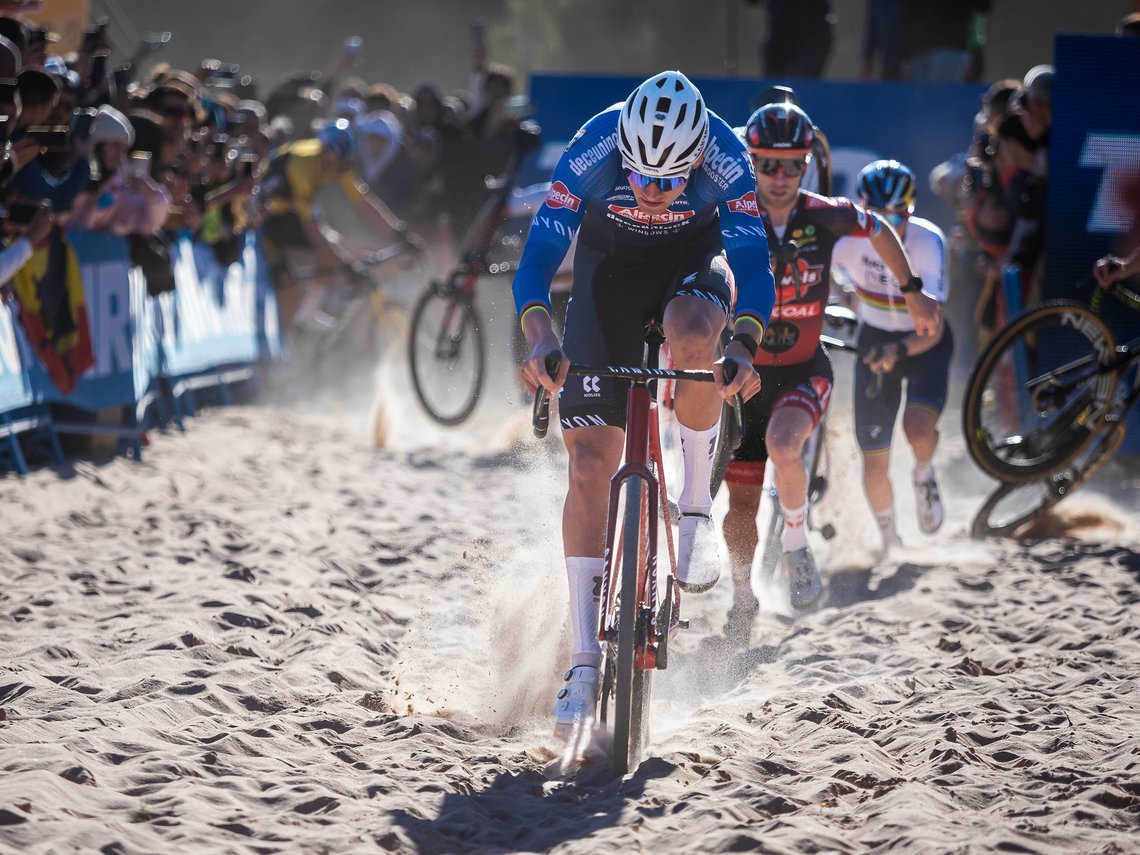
pixel 664 126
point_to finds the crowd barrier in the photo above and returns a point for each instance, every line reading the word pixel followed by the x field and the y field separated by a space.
pixel 151 353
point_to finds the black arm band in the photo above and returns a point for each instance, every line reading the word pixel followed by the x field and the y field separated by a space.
pixel 911 285
pixel 750 344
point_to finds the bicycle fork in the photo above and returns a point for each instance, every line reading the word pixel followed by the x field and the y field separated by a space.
pixel 641 484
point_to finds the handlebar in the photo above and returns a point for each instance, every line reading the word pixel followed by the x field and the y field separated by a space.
pixel 553 363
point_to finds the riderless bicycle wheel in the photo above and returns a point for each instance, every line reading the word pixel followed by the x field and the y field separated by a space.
pixel 632 685
pixel 1038 393
pixel 446 353
pixel 1012 506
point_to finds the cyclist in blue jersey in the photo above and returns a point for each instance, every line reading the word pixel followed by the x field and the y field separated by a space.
pixel 658 190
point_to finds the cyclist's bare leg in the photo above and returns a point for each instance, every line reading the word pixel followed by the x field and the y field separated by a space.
pixel 880 495
pixel 877 482
pixel 289 294
pixel 595 454
pixel 920 424
pixel 741 534
pixel 693 327
pixel 788 430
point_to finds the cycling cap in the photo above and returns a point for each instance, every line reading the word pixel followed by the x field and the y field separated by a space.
pixel 664 126
pixel 887 185
pixel 337 138
pixel 778 130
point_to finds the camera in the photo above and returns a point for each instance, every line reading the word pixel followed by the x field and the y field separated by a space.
pixel 139 165
pixel 51 137
pixel 221 74
pixel 121 78
pixel 248 165
pixel 21 213
pixel 95 38
pixel 156 41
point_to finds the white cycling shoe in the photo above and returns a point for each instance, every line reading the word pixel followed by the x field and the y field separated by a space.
pixel 578 700
pixel 698 553
pixel 928 502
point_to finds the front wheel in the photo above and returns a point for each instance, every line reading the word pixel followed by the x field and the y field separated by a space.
pixel 1012 506
pixel 446 354
pixel 632 685
pixel 1039 392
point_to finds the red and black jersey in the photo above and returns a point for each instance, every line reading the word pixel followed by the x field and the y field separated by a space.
pixel 801 263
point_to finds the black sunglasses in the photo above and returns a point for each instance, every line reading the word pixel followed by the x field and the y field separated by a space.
pixel 792 167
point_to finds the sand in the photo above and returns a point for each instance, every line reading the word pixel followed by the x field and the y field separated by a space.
pixel 269 636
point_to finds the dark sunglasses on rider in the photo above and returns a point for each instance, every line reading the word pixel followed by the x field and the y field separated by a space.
pixel 666 184
pixel 792 167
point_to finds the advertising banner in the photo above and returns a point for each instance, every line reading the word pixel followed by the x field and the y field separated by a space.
pixel 15 388
pixel 211 317
pixel 1094 156
pixel 126 356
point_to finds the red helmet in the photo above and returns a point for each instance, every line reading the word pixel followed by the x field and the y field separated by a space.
pixel 779 130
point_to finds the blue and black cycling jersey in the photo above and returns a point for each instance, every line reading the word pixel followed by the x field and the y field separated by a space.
pixel 590 193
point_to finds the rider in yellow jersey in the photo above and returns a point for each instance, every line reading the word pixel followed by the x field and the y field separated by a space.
pixel 289 185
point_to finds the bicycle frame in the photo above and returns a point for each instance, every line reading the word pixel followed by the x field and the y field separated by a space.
pixel 642 460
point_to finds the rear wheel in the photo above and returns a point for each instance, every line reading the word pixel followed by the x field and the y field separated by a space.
pixel 1038 394
pixel 631 684
pixel 446 353
pixel 1012 506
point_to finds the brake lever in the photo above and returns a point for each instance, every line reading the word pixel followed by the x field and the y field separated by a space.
pixel 540 416
pixel 728 367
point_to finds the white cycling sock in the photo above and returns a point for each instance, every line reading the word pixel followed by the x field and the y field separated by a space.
pixel 794 535
pixel 697 448
pixel 886 521
pixel 923 471
pixel 585 577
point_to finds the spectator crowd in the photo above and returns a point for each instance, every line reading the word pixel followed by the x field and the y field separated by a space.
pixel 137 148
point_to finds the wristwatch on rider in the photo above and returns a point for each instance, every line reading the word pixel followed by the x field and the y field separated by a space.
pixel 912 285
pixel 750 344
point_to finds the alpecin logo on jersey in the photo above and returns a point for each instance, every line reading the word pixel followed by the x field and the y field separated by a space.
pixel 560 196
pixel 638 216
pixel 721 166
pixel 746 204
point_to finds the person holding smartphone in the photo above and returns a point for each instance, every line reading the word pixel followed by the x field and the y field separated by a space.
pixel 121 197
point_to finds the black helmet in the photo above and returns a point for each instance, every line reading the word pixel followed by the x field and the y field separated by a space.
pixel 774 95
pixel 887 185
pixel 779 129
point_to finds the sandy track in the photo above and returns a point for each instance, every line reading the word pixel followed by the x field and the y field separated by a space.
pixel 269 637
